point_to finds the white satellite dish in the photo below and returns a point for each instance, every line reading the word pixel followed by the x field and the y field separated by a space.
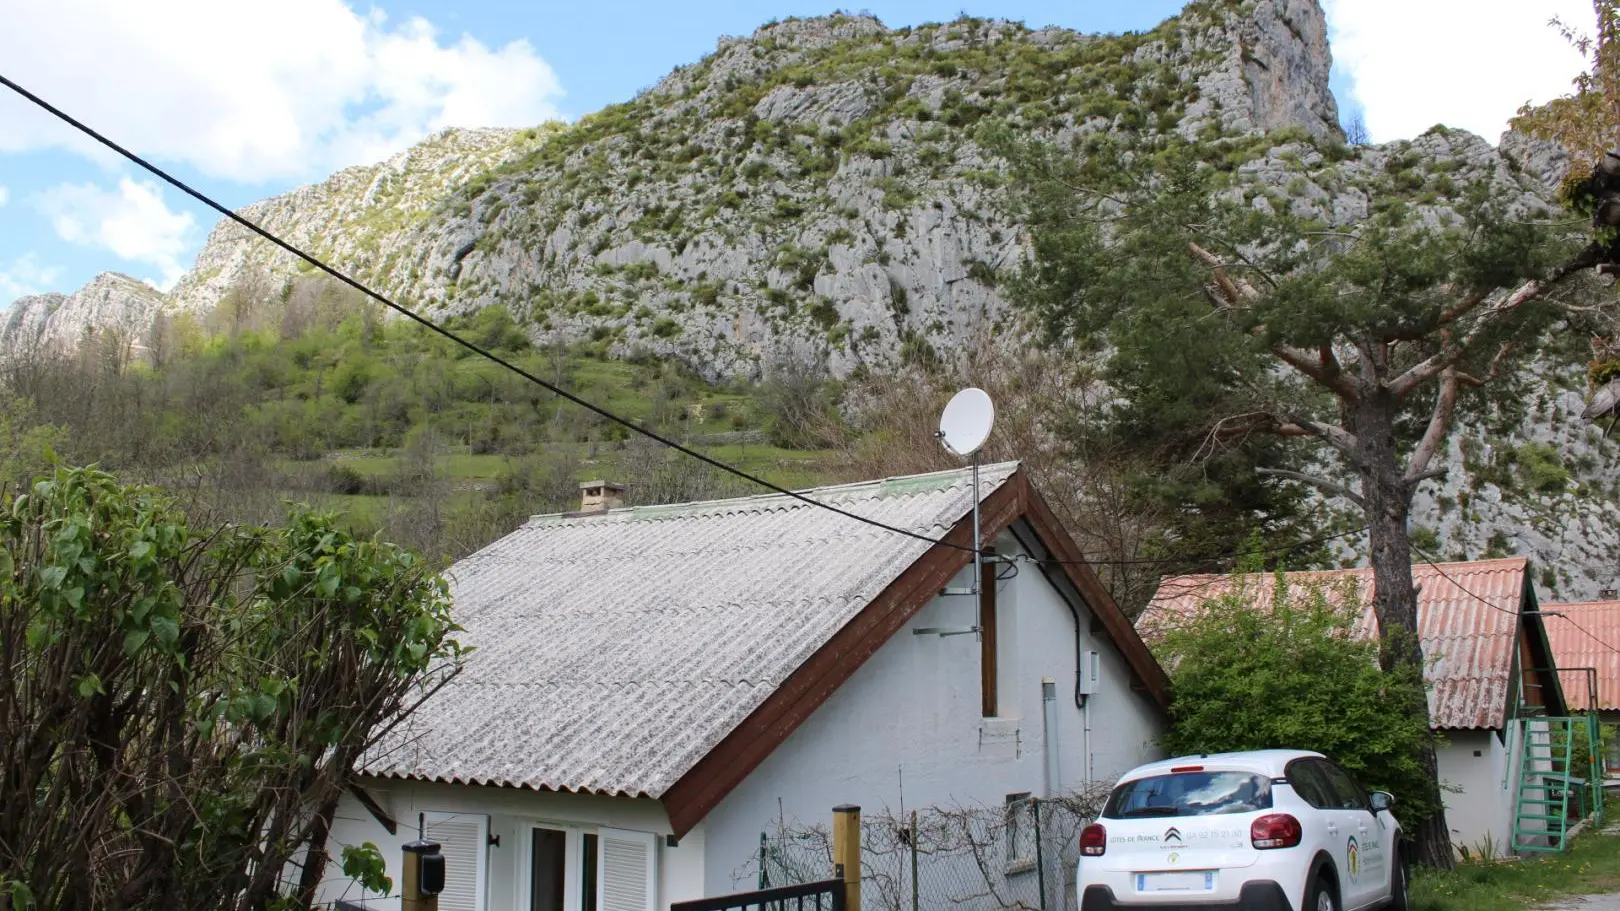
pixel 965 424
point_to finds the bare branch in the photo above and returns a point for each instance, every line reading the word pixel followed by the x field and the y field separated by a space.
pixel 1236 291
pixel 1453 351
pixel 1336 489
pixel 1429 475
pixel 1229 289
pixel 1462 308
pixel 1306 363
pixel 1337 437
pixel 1439 425
pixel 1241 425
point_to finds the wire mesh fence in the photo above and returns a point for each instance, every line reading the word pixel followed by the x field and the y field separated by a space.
pixel 1019 855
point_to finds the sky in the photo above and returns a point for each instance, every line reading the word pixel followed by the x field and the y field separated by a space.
pixel 251 98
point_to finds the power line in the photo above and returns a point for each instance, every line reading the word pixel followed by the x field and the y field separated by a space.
pixel 1160 561
pixel 1427 558
pixel 435 327
pixel 583 403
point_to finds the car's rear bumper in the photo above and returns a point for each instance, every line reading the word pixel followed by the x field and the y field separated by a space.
pixel 1256 895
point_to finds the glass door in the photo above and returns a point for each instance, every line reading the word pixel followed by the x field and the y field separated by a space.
pixel 561 872
pixel 548 866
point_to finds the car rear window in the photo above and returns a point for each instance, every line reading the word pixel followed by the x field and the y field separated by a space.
pixel 1190 794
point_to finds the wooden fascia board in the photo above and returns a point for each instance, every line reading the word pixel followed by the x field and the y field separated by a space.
pixel 1539 645
pixel 373 807
pixel 1062 548
pixel 715 775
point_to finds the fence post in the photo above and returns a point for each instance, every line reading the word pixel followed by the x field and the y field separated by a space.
pixel 412 897
pixel 1040 855
pixel 764 848
pixel 847 851
pixel 915 888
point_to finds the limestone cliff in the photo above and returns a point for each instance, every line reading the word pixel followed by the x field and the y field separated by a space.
pixel 821 188
pixel 57 322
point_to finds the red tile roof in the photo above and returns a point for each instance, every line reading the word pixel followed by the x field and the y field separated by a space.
pixel 1468 641
pixel 1586 635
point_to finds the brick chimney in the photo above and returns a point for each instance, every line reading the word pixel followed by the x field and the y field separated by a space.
pixel 600 496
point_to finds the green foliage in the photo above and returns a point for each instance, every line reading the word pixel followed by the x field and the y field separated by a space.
pixel 237 671
pixel 1292 676
pixel 365 864
pixel 1541 468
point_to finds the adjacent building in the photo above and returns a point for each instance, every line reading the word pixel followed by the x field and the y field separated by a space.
pixel 1489 668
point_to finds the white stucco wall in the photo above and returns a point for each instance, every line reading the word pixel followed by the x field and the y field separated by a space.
pixel 679 870
pixel 911 714
pixel 1483 807
pixel 910 720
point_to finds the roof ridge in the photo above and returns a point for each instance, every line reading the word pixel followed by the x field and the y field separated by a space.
pixel 1493 563
pixel 876 484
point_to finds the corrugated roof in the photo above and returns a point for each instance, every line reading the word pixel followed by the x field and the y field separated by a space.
pixel 1468 643
pixel 615 650
pixel 1586 635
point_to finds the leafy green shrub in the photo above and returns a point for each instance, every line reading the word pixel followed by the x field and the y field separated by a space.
pixel 1540 469
pixel 1292 677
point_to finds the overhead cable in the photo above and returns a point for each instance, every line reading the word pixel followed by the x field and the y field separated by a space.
pixel 531 377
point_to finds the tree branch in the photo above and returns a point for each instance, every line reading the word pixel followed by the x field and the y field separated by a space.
pixel 1241 425
pixel 1429 475
pixel 1307 364
pixel 1451 352
pixel 1229 288
pixel 1462 308
pixel 1439 425
pixel 1237 292
pixel 1336 489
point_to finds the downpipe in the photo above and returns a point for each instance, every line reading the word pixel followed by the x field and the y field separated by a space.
pixel 1049 732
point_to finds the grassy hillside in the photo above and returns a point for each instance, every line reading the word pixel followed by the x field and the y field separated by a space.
pixel 316 397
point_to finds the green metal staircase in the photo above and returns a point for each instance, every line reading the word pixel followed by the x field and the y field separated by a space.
pixel 1541 819
pixel 1560 765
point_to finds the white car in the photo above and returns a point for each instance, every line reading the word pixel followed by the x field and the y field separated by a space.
pixel 1268 829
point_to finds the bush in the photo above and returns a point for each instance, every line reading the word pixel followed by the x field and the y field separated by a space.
pixel 1245 678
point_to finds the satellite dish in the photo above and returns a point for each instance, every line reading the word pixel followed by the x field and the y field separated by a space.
pixel 965 424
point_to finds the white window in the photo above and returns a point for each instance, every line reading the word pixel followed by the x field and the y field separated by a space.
pixel 464 841
pixel 1019 834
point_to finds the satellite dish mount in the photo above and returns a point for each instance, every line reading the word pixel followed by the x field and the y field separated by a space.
pixel 964 427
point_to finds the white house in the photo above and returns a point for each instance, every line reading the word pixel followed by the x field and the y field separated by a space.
pixel 655 686
pixel 1489 671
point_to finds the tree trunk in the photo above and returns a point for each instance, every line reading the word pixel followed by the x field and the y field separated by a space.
pixel 316 858
pixel 1388 502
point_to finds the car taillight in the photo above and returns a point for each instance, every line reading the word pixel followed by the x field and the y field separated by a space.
pixel 1093 840
pixel 1274 830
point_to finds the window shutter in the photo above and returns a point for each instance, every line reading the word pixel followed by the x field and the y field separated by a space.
pixel 625 870
pixel 463 840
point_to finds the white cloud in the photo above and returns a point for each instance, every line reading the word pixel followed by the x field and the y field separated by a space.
pixel 256 91
pixel 5 195
pixel 1464 63
pixel 26 276
pixel 133 222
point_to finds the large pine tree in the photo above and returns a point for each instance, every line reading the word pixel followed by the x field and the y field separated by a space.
pixel 1344 299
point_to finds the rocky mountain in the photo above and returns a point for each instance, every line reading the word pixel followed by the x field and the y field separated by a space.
pixel 822 189
pixel 814 187
pixel 57 322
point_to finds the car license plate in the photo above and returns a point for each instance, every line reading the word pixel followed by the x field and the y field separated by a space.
pixel 1190 881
